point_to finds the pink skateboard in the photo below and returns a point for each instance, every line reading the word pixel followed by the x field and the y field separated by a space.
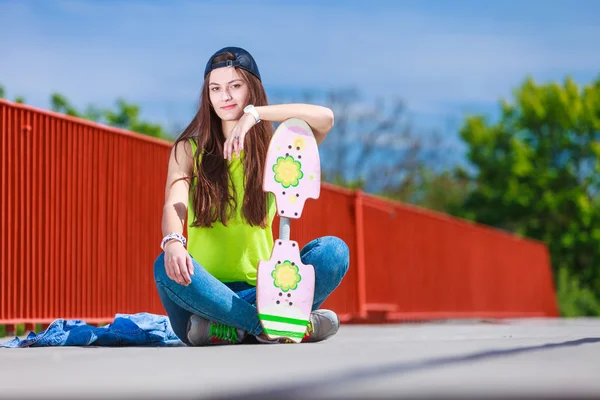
pixel 285 286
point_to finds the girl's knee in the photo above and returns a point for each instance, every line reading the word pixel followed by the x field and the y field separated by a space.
pixel 337 247
pixel 336 255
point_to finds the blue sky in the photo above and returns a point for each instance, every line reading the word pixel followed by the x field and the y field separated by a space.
pixel 444 58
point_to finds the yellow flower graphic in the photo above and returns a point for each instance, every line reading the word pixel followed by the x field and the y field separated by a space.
pixel 286 276
pixel 287 171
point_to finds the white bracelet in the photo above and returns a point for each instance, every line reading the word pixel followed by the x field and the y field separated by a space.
pixel 171 236
pixel 251 110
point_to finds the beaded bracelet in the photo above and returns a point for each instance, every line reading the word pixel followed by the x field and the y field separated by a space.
pixel 170 236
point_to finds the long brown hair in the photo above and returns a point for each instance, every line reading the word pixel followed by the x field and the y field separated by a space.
pixel 211 198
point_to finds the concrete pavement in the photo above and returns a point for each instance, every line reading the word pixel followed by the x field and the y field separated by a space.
pixel 452 359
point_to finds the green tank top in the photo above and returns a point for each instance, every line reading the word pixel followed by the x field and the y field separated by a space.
pixel 231 253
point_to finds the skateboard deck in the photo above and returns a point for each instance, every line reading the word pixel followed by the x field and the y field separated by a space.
pixel 293 167
pixel 285 291
pixel 285 286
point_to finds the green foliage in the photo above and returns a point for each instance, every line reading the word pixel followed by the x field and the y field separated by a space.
pixel 442 192
pixel 339 180
pixel 125 115
pixel 574 299
pixel 18 99
pixel 20 330
pixel 537 174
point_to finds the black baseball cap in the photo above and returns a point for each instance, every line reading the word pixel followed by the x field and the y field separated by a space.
pixel 243 60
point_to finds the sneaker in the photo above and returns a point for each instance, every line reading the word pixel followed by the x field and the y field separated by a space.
pixel 202 332
pixel 322 325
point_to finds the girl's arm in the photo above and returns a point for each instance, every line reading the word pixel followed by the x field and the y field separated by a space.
pixel 176 190
pixel 178 263
pixel 320 119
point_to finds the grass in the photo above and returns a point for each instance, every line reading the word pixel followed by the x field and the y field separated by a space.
pixel 20 330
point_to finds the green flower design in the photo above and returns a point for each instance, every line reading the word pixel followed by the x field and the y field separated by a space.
pixel 287 171
pixel 286 276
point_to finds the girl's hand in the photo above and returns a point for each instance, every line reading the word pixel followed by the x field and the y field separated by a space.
pixel 178 263
pixel 235 141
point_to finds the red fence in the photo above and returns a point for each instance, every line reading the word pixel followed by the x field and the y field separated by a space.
pixel 81 208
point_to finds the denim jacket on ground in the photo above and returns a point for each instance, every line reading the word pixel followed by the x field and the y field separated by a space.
pixel 141 329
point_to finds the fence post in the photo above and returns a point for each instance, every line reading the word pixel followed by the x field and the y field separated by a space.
pixel 360 254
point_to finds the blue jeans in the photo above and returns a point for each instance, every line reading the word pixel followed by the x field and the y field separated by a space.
pixel 234 304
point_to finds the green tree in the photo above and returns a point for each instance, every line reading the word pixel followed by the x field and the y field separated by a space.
pixel 18 99
pixel 125 115
pixel 537 174
pixel 443 191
